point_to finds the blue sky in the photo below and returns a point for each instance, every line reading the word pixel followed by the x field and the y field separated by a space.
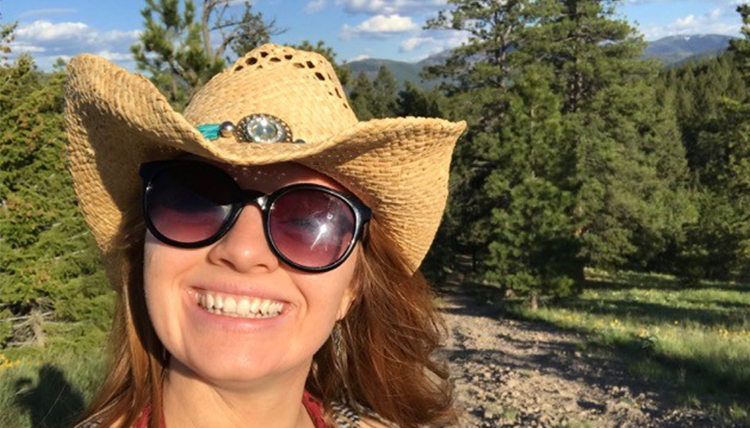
pixel 354 28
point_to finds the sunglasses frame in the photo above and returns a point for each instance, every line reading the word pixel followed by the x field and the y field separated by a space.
pixel 151 170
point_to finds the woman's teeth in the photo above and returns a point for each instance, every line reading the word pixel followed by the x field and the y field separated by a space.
pixel 238 306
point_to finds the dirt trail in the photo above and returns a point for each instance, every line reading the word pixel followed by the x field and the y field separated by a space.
pixel 511 373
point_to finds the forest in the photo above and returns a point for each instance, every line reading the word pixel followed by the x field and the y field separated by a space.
pixel 580 157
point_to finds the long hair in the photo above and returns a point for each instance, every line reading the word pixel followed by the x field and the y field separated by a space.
pixel 389 334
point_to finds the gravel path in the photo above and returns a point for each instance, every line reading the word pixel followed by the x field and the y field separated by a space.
pixel 511 373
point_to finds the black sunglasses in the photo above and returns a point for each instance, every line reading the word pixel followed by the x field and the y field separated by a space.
pixel 192 204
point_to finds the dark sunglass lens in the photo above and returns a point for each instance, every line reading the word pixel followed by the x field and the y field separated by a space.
pixel 189 203
pixel 311 228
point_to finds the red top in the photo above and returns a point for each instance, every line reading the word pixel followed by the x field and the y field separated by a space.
pixel 313 406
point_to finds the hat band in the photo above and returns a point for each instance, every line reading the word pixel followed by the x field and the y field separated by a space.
pixel 256 128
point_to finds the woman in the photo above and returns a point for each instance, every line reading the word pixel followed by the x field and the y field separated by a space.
pixel 265 248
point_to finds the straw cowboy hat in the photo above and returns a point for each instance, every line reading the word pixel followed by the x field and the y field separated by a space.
pixel 274 104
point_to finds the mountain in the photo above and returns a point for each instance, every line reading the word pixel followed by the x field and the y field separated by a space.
pixel 402 71
pixel 671 50
pixel 675 49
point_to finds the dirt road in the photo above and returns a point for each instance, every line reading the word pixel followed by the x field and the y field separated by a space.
pixel 511 373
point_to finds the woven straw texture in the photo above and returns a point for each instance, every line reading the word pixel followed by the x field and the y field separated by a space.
pixel 116 121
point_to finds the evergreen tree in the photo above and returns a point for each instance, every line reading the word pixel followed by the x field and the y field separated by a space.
pixel 475 78
pixel 570 159
pixel 250 31
pixel 385 92
pixel 172 51
pixel 412 101
pixel 718 246
pixel 176 48
pixel 699 89
pixel 621 136
pixel 532 247
pixel 740 48
pixel 361 96
pixel 49 265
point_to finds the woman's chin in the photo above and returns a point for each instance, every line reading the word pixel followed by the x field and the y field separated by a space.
pixel 217 367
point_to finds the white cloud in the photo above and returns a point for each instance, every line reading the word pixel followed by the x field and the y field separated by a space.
pixel 713 22
pixel 415 42
pixel 387 24
pixel 37 12
pixel 315 6
pixel 387 7
pixel 115 56
pixel 49 41
pixel 379 26
pixel 359 58
pixel 430 42
pixel 27 48
pixel 45 30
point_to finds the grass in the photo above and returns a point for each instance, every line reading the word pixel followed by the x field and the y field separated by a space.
pixel 49 387
pixel 694 337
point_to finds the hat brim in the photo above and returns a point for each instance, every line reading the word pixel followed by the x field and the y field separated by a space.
pixel 117 120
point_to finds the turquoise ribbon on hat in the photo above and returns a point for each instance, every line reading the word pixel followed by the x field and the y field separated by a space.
pixel 210 131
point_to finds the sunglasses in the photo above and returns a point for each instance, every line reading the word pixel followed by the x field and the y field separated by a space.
pixel 192 204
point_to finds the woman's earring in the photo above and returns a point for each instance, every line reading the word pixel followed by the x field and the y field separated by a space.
pixel 339 350
pixel 336 336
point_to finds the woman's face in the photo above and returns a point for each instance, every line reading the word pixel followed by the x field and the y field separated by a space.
pixel 242 268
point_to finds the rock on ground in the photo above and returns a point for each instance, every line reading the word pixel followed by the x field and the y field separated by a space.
pixel 510 373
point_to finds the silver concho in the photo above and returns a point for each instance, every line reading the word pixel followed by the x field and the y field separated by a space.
pixel 227 129
pixel 263 128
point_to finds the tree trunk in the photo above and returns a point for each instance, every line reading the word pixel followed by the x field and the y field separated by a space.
pixel 37 329
pixel 207 6
pixel 534 300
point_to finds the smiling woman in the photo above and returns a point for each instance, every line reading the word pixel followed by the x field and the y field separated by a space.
pixel 265 247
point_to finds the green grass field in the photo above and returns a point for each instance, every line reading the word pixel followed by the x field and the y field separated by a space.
pixel 696 337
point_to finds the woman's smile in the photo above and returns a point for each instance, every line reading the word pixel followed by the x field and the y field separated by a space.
pixel 238 306
pixel 212 313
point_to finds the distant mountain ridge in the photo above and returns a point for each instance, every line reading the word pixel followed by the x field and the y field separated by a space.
pixel 676 49
pixel 670 50
pixel 402 71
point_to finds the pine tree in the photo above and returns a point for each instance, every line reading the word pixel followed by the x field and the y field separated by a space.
pixel 474 78
pixel 361 96
pixel 620 135
pixel 176 47
pixel 385 93
pixel 49 264
pixel 570 159
pixel 250 31
pixel 413 101
pixel 172 51
pixel 532 247
pixel 740 48
pixel 718 245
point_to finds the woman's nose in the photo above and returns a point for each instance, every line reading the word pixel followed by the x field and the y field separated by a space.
pixel 244 247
